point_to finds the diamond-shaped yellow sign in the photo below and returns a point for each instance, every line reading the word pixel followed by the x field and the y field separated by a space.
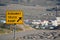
pixel 14 17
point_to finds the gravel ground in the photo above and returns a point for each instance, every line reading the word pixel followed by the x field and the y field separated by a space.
pixel 53 35
pixel 33 35
pixel 41 35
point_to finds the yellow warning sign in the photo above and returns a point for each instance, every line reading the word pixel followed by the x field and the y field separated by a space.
pixel 14 17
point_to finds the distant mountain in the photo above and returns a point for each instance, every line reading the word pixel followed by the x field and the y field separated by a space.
pixel 31 2
pixel 33 9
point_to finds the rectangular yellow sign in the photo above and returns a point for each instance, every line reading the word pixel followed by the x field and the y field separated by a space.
pixel 14 17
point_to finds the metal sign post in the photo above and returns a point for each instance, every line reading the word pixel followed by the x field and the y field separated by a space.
pixel 14 30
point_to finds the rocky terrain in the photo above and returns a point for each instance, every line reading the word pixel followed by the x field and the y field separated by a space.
pixel 44 35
